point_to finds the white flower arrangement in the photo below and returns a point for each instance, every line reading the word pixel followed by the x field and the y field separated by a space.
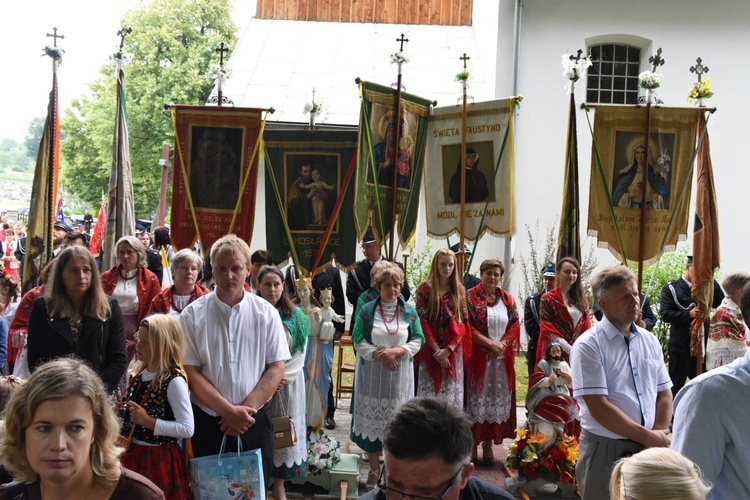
pixel 323 452
pixel 574 69
pixel 217 73
pixel 649 80
pixel 314 108
pixel 399 58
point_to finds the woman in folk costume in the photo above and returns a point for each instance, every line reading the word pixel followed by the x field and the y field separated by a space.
pixel 728 332
pixel 564 311
pixel 491 374
pixel 185 266
pixel 441 305
pixel 387 335
pixel 132 285
pixel 318 360
pixel 291 462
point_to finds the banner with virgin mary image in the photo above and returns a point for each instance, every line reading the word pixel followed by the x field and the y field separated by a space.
pixel 215 173
pixel 619 162
pixel 380 155
pixel 310 197
pixel 489 170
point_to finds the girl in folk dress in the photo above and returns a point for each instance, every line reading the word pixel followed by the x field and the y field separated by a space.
pixel 491 374
pixel 288 463
pixel 158 404
pixel 387 335
pixel 441 305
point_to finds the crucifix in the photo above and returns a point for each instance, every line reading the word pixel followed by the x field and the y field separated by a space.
pixel 221 51
pixel 464 58
pixel 699 69
pixel 55 36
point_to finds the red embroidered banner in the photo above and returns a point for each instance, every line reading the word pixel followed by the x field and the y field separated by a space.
pixel 215 173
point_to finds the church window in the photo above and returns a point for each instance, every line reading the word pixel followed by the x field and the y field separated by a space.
pixel 613 76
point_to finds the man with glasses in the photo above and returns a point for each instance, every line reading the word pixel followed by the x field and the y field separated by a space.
pixel 427 449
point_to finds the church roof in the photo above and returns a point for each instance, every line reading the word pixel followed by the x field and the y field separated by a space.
pixel 278 63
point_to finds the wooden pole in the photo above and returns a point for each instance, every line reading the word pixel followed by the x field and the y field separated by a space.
pixel 394 157
pixel 165 164
pixel 462 218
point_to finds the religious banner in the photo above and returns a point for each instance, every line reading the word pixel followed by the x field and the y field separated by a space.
pixel 489 170
pixel 215 173
pixel 377 164
pixel 617 167
pixel 569 236
pixel 309 197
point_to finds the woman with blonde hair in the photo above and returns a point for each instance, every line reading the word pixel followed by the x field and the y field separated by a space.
pixel 657 474
pixel 132 285
pixel 158 405
pixel 441 305
pixel 75 317
pixel 59 441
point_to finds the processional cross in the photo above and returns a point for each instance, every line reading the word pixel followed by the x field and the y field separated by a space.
pixel 699 69
pixel 402 40
pixel 122 33
pixel 55 36
pixel 656 61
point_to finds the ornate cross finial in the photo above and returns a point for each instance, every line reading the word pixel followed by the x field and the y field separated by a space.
pixel 577 57
pixel 122 33
pixel 699 68
pixel 464 58
pixel 55 36
pixel 402 40
pixel 221 51
pixel 656 61
pixel 313 95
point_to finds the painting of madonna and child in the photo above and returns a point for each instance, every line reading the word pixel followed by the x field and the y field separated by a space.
pixel 630 162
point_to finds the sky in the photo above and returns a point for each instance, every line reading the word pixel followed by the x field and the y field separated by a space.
pixel 90 30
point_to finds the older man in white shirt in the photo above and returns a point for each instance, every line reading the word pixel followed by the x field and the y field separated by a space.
pixel 620 382
pixel 234 357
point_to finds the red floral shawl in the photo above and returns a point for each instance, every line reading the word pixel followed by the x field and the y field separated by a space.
pixel 442 331
pixel 163 302
pixel 20 323
pixel 554 319
pixel 477 304
pixel 147 289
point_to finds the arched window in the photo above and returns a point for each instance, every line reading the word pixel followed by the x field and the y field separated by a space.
pixel 613 76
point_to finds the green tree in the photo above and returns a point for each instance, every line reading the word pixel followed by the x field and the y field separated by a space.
pixel 34 136
pixel 13 156
pixel 170 50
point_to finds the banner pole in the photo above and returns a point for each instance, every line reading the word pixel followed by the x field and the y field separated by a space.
pixel 462 218
pixel 394 156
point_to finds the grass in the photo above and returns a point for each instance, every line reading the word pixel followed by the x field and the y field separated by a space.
pixel 522 372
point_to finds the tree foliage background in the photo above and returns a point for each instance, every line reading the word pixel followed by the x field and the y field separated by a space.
pixel 168 54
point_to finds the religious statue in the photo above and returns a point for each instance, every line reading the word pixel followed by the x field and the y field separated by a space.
pixel 326 316
pixel 318 359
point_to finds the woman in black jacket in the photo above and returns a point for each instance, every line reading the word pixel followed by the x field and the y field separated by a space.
pixel 76 318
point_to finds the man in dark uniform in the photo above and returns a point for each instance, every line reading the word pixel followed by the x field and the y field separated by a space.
pixel 531 313
pixel 678 309
pixel 153 258
pixel 358 279
pixel 470 281
pixel 330 278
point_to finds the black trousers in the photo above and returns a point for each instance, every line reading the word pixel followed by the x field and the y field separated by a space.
pixel 681 367
pixel 207 438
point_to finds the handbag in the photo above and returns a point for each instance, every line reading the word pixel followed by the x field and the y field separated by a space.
pixel 120 406
pixel 228 476
pixel 284 431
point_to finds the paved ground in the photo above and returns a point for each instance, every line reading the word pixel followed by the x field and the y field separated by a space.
pixel 494 474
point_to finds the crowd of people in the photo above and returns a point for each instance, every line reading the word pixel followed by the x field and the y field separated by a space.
pixel 225 346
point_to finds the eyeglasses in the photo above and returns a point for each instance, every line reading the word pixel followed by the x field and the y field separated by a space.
pixel 393 494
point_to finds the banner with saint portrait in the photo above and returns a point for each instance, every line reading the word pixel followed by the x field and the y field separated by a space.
pixel 380 155
pixel 619 165
pixel 310 197
pixel 489 170
pixel 215 173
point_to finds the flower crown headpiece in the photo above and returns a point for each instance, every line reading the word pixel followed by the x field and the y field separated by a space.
pixel 303 281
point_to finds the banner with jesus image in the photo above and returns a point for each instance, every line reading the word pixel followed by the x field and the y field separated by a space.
pixel 620 161
pixel 488 165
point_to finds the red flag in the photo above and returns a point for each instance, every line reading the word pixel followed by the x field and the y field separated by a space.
pixel 100 229
pixel 705 238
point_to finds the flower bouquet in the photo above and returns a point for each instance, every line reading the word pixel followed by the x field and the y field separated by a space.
pixel 700 90
pixel 323 452
pixel 399 58
pixel 555 464
pixel 649 80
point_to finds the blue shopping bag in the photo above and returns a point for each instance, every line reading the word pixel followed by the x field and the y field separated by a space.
pixel 228 476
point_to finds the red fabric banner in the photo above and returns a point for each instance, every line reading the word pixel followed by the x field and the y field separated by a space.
pixel 215 173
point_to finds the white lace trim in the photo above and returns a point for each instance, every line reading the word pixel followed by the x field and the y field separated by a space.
pixel 493 404
pixel 294 403
pixel 451 390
